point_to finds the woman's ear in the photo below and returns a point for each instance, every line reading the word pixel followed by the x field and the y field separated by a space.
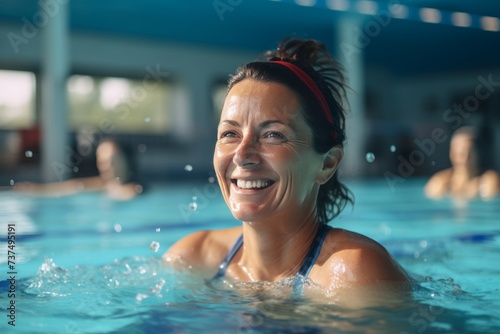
pixel 331 161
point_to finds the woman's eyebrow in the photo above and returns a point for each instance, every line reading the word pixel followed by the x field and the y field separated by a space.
pixel 230 122
pixel 268 123
pixel 262 125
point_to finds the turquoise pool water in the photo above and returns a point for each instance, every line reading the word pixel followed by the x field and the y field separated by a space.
pixel 86 264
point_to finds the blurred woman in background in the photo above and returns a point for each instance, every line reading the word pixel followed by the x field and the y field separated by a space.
pixel 466 178
pixel 116 176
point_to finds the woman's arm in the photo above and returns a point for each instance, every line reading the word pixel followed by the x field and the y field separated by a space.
pixel 62 188
pixel 489 184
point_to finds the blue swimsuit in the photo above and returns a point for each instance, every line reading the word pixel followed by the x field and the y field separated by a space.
pixel 308 263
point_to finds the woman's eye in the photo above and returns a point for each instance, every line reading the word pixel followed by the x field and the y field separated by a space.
pixel 227 134
pixel 274 134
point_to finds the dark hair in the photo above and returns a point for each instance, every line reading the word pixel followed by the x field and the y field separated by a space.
pixel 313 58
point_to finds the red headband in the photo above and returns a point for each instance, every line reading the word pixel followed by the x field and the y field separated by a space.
pixel 312 87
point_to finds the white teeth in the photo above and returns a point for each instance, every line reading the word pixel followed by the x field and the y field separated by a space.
pixel 251 184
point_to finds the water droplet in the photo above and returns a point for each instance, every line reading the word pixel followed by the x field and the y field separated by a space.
pixel 118 228
pixel 433 163
pixel 28 154
pixel 211 179
pixel 138 189
pixel 158 229
pixel 370 157
pixel 193 206
pixel 12 182
pixel 393 148
pixel 188 168
pixel 141 148
pixel 75 169
pixel 423 243
pixel 147 120
pixel 155 245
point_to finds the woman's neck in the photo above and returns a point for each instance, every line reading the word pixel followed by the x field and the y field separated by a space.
pixel 276 249
pixel 464 172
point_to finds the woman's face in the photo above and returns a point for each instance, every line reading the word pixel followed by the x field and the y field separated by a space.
pixel 110 162
pixel 462 151
pixel 264 157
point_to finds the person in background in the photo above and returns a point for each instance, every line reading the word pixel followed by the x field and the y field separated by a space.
pixel 116 176
pixel 279 145
pixel 466 178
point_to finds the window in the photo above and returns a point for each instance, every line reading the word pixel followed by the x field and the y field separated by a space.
pixel 17 100
pixel 124 105
pixel 219 92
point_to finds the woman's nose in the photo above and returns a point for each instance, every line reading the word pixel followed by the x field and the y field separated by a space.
pixel 247 154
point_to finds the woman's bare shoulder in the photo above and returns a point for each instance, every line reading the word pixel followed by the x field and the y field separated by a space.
pixel 204 249
pixel 489 184
pixel 438 184
pixel 352 259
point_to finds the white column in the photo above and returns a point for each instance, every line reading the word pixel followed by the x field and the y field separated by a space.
pixel 350 51
pixel 56 155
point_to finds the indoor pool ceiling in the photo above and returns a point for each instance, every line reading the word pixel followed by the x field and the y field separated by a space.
pixel 405 46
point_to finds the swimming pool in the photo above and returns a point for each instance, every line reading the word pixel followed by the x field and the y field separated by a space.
pixel 87 264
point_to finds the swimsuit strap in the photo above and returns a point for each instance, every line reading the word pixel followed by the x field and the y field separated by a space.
pixel 229 257
pixel 314 250
pixel 310 260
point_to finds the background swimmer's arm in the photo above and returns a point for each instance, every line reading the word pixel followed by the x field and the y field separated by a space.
pixel 489 184
pixel 438 184
pixel 67 187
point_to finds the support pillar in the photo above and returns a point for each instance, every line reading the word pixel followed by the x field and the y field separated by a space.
pixel 56 155
pixel 350 53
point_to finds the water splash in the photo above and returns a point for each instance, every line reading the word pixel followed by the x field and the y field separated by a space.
pixel 117 296
pixel 155 246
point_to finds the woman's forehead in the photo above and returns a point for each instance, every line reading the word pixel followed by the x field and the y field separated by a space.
pixel 260 100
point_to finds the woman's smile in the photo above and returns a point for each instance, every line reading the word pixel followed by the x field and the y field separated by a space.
pixel 251 184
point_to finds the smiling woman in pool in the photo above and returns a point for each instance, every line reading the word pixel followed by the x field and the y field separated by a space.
pixel 279 144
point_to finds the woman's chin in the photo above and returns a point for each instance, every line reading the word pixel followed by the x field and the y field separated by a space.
pixel 247 212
